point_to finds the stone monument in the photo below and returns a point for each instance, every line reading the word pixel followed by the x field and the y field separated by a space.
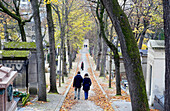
pixel 7 76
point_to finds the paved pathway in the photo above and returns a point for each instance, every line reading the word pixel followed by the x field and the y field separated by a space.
pixel 51 105
pixel 122 105
pixel 85 105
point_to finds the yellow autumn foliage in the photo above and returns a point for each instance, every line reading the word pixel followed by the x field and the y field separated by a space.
pixel 79 23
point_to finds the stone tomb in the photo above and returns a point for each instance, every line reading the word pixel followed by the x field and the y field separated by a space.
pixel 155 78
pixel 21 56
pixel 7 76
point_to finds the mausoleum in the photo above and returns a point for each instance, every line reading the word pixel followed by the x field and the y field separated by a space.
pixel 21 56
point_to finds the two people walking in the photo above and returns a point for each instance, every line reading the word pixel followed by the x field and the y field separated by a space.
pixel 78 82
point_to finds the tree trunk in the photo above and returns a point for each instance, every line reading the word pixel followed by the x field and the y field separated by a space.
pixel 110 74
pixel 95 51
pixel 112 47
pixel 53 88
pixel 65 23
pixel 99 43
pixel 130 54
pixel 98 53
pixel 95 46
pixel 60 70
pixel 0 44
pixel 103 61
pixel 68 41
pixel 40 54
pixel 117 69
pixel 62 34
pixel 64 62
pixel 71 60
pixel 166 9
pixel 74 52
pixel 142 36
pixel 22 31
pixel 69 55
pixel 97 35
pixel 104 51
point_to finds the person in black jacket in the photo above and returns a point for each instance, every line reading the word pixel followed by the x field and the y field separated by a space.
pixel 86 85
pixel 77 84
pixel 82 66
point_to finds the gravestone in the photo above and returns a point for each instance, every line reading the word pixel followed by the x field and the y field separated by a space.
pixel 7 77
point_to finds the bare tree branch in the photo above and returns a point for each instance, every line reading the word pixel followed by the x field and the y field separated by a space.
pixel 8 5
pixel 5 10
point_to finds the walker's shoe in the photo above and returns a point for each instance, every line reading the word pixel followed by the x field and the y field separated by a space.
pixel 78 98
pixel 74 97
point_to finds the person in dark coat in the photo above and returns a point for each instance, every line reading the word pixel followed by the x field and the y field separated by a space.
pixel 77 84
pixel 86 85
pixel 82 66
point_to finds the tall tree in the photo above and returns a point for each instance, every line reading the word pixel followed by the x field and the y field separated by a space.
pixel 62 24
pixel 111 56
pixel 100 35
pixel 104 46
pixel 130 54
pixel 40 54
pixel 99 53
pixel 97 41
pixel 56 9
pixel 64 51
pixel 111 46
pixel 15 14
pixel 166 15
pixel 53 88
pixel 103 59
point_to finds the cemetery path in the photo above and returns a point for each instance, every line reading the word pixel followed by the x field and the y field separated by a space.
pixel 96 100
pixel 82 104
pixel 99 95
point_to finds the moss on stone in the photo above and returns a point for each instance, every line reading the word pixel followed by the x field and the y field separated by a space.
pixel 6 53
pixel 20 45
